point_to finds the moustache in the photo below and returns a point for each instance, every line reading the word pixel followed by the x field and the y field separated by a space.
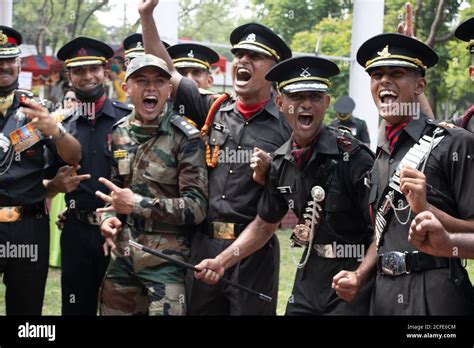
pixel 6 71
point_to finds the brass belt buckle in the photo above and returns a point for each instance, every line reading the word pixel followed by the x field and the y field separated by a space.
pixel 223 230
pixel 10 214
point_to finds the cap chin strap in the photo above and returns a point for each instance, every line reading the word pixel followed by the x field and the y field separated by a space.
pixel 344 118
pixel 4 91
pixel 90 96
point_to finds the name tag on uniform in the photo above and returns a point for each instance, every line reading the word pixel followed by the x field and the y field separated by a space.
pixel 120 154
pixel 220 127
pixel 284 189
pixel 25 137
pixel 124 166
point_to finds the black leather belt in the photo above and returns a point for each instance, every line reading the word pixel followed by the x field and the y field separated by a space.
pixel 143 225
pixel 395 263
pixel 85 216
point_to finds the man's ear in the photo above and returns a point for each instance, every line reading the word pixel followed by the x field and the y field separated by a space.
pixel 471 72
pixel 279 102
pixel 124 88
pixel 420 85
pixel 210 80
pixel 327 100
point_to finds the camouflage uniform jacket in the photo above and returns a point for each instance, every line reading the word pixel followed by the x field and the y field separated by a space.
pixel 167 174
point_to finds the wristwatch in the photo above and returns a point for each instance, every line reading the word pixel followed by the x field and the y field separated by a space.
pixel 62 132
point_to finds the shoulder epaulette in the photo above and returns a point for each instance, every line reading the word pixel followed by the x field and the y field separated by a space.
pixel 206 91
pixel 185 126
pixel 120 122
pixel 24 92
pixel 123 106
pixel 345 140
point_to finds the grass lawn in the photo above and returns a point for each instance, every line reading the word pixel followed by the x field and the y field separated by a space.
pixel 289 259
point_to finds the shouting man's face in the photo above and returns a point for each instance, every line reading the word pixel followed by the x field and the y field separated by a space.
pixel 149 90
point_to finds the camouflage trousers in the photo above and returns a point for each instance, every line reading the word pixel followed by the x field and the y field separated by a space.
pixel 137 283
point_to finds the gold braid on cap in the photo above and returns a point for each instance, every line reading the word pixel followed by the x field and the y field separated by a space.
pixel 77 59
pixel 206 64
pixel 255 43
pixel 415 61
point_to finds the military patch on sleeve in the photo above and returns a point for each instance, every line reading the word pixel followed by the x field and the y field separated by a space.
pixel 118 154
pixel 185 126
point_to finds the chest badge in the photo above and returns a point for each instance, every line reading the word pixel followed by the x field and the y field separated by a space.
pixel 284 189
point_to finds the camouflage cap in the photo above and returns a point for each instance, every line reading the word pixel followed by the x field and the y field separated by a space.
pixel 145 61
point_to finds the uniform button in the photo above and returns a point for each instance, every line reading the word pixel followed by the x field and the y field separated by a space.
pixel 231 171
pixel 391 161
pixel 214 140
pixel 239 147
pixel 223 196
pixel 246 123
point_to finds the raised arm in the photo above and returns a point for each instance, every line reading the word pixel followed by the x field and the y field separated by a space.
pixel 152 40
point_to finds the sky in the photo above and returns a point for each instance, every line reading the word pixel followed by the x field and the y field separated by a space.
pixel 120 9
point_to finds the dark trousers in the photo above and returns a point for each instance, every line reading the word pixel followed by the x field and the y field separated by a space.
pixel 312 293
pixel 83 267
pixel 259 272
pixel 25 277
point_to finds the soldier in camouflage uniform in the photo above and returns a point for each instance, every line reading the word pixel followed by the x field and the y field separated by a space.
pixel 158 194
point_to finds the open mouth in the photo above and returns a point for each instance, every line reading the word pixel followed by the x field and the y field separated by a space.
pixel 149 102
pixel 387 96
pixel 242 76
pixel 305 120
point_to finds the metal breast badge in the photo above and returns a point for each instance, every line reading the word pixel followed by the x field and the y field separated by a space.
pixel 318 194
pixel 303 234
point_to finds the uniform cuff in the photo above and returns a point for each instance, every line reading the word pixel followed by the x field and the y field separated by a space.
pixel 107 215
pixel 137 208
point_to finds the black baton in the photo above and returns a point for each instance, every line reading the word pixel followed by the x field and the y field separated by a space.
pixel 192 268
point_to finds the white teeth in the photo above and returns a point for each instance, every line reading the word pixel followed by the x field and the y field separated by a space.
pixel 243 71
pixel 152 97
pixel 385 93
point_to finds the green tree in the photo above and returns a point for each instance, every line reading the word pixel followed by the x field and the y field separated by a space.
pixel 288 17
pixel 54 22
pixel 333 36
pixel 434 25
pixel 211 21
